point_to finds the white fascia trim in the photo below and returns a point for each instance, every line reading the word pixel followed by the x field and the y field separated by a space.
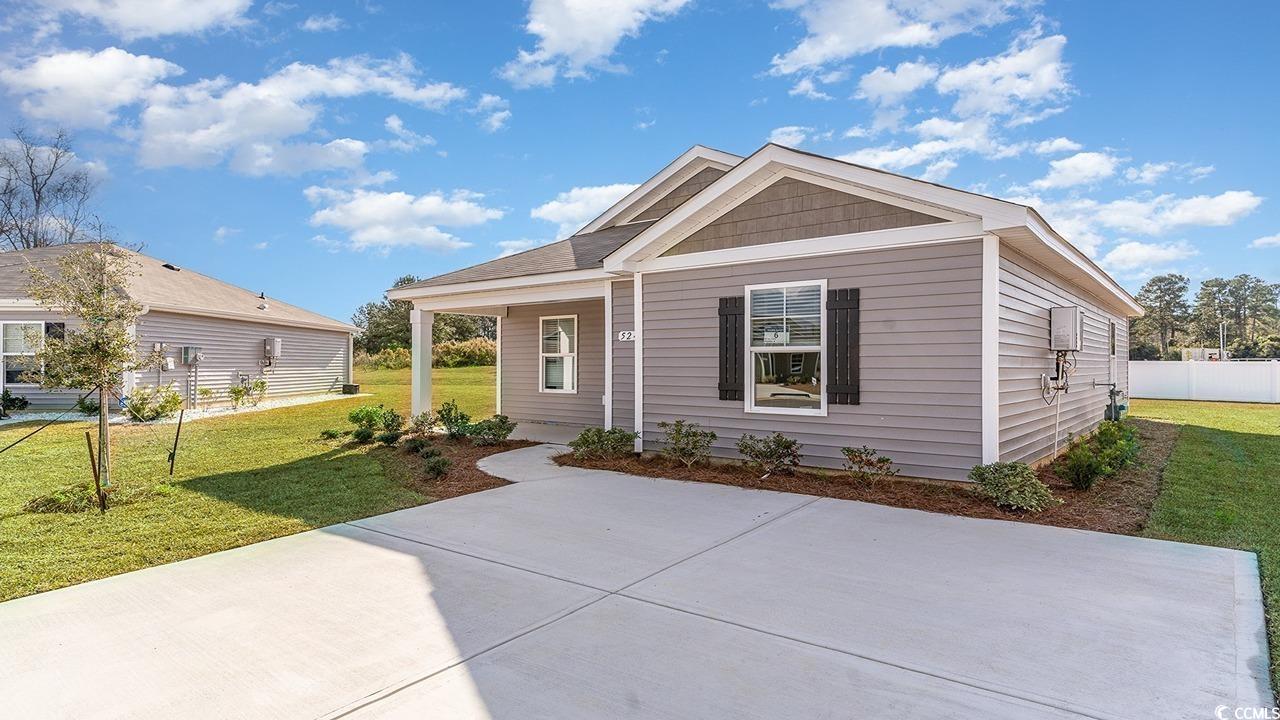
pixel 246 317
pixel 661 190
pixel 522 281
pixel 990 349
pixel 772 160
pixel 675 166
pixel 497 300
pixel 831 245
pixel 22 303
pixel 1068 252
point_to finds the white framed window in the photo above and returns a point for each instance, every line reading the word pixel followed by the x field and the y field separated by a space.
pixel 786 342
pixel 558 354
pixel 17 349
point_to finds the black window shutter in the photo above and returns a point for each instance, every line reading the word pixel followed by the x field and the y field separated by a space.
pixel 57 331
pixel 732 329
pixel 843 347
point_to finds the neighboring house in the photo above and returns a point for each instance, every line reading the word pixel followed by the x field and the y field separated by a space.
pixel 837 304
pixel 184 309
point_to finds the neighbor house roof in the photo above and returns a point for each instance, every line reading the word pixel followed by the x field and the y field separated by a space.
pixel 584 251
pixel 163 286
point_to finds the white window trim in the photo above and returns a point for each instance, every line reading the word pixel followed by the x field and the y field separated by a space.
pixel 542 365
pixel 44 327
pixel 749 378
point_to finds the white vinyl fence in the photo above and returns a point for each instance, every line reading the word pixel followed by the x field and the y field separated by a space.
pixel 1228 381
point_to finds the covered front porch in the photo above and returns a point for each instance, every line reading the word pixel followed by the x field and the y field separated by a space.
pixel 553 349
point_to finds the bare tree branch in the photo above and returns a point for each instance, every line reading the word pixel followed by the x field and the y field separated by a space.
pixel 44 192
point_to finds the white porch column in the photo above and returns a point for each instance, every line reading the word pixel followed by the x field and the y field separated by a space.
pixel 422 322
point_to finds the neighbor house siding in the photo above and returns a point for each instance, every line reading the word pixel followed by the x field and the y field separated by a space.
pixel 624 356
pixel 680 194
pixel 39 398
pixel 1027 423
pixel 920 357
pixel 791 209
pixel 312 361
pixel 521 400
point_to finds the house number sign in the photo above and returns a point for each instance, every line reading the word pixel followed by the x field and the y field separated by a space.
pixel 626 336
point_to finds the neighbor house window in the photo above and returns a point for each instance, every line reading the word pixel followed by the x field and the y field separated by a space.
pixel 18 349
pixel 558 354
pixel 785 346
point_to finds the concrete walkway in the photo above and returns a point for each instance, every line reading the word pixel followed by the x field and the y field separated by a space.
pixel 586 594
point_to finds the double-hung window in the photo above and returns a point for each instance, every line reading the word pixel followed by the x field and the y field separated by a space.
pixel 558 354
pixel 785 345
pixel 18 344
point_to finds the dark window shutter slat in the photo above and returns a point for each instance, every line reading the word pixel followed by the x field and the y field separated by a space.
pixel 732 337
pixel 55 330
pixel 843 347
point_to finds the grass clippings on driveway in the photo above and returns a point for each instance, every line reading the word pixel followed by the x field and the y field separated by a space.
pixel 1119 504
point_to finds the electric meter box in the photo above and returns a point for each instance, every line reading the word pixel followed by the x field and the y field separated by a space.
pixel 271 347
pixel 1066 328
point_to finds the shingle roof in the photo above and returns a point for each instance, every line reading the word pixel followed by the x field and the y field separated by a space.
pixel 180 290
pixel 579 252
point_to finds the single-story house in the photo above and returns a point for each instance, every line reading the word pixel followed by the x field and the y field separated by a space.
pixel 212 334
pixel 785 291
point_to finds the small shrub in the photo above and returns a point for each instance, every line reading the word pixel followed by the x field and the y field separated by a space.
pixel 464 353
pixel 455 422
pixel 368 416
pixel 386 359
pixel 491 431
pixel 330 434
pixel 1012 485
pixel 422 422
pixel 598 443
pixel 388 437
pixel 415 444
pixel 362 434
pixel 392 421
pixel 429 452
pixel 865 466
pixel 1117 445
pixel 256 391
pixel 236 394
pixel 206 396
pixel 686 442
pixel 79 497
pixel 149 403
pixel 776 453
pixel 435 467
pixel 10 403
pixel 88 405
pixel 1082 466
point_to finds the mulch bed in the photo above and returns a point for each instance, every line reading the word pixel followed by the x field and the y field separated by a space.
pixel 462 478
pixel 1118 504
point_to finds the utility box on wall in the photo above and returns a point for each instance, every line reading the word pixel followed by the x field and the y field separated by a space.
pixel 1066 329
pixel 271 348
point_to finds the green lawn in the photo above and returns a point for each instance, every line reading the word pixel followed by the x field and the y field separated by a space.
pixel 239 479
pixel 1222 487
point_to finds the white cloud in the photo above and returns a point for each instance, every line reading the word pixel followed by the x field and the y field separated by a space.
pixel 133 19
pixel 575 36
pixel 577 207
pixel 269 158
pixel 1079 169
pixel 1031 72
pixel 939 138
pixel 806 87
pixel 1148 174
pixel 791 135
pixel 841 29
pixel 1269 241
pixel 511 247
pixel 84 89
pixel 938 171
pixel 386 220
pixel 322 23
pixel 406 139
pixel 223 232
pixel 1199 173
pixel 889 87
pixel 1131 255
pixel 1055 146
pixel 260 245
pixel 495 111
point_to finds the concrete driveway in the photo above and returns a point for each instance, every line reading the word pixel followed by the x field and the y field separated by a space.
pixel 582 594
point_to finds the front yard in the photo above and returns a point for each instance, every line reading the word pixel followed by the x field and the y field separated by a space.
pixel 239 479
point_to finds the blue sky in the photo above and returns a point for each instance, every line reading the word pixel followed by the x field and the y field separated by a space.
pixel 316 151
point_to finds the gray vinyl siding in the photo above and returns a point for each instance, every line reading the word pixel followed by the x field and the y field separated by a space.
pixel 791 209
pixel 312 361
pixel 521 400
pixel 624 356
pixel 921 362
pixel 1027 291
pixel 39 398
pixel 681 193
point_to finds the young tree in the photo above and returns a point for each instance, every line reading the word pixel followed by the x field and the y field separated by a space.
pixel 1164 297
pixel 44 192
pixel 90 285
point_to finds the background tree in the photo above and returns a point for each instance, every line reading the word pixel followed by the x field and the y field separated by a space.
pixel 386 324
pixel 1165 299
pixel 1246 304
pixel 44 192
pixel 89 286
